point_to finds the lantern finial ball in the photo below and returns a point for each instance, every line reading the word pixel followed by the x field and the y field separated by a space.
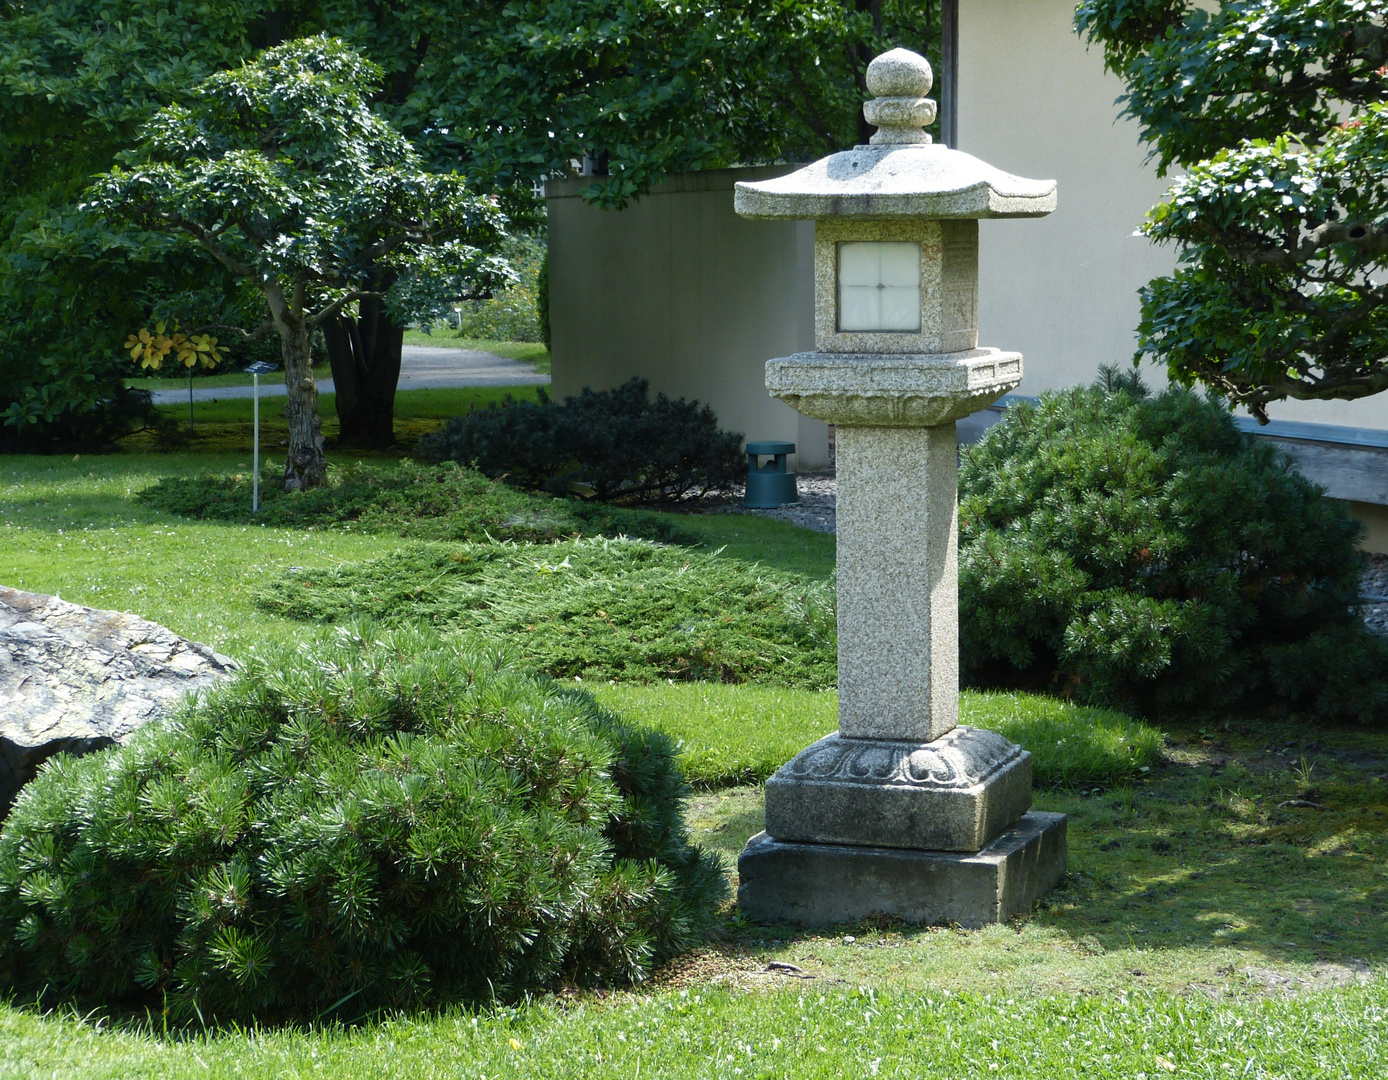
pixel 900 73
pixel 900 111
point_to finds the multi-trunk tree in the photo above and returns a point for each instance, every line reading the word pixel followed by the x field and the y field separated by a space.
pixel 281 171
pixel 1277 112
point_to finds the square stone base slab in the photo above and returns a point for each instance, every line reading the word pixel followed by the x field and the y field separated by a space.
pixel 820 884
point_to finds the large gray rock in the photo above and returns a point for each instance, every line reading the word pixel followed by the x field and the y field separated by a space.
pixel 76 679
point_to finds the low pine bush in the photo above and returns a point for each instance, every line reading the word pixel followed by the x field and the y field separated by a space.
pixel 1140 551
pixel 426 502
pixel 599 609
pixel 384 818
pixel 609 446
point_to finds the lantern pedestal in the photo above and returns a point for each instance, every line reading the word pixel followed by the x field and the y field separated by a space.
pixel 902 811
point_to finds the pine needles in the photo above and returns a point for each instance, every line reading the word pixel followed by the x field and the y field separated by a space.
pixel 381 817
pixel 598 609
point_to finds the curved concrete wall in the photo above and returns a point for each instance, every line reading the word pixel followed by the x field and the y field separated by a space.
pixel 679 289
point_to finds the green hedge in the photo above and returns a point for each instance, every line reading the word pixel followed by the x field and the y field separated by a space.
pixel 614 445
pixel 1142 552
pixel 379 819
pixel 425 502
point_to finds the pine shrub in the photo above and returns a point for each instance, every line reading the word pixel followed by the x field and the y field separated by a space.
pixel 425 502
pixel 597 608
pixel 1140 551
pixel 609 446
pixel 382 819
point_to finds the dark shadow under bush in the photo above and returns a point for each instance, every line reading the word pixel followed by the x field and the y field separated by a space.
pixel 384 818
pixel 609 446
pixel 427 502
pixel 1142 552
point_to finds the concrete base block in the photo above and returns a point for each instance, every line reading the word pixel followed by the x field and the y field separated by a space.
pixel 819 884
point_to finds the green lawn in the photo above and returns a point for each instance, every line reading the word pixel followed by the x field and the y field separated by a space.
pixel 527 352
pixel 1205 930
pixel 806 1029
pixel 226 426
pixel 204 381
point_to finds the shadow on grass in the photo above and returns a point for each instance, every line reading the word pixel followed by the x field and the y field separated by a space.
pixel 1266 841
pixel 1263 843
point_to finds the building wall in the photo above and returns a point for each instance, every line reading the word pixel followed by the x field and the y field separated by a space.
pixel 1034 99
pixel 680 290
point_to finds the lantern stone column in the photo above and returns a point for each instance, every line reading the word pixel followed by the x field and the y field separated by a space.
pixel 901 811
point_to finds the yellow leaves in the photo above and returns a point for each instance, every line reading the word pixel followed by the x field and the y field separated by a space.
pixel 515 1044
pixel 206 348
pixel 149 349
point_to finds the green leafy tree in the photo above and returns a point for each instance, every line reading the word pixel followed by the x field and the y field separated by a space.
pixel 281 171
pixel 77 78
pixel 504 92
pixel 1275 109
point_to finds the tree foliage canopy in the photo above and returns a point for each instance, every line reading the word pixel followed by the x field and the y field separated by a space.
pixel 283 173
pixel 503 92
pixel 1276 110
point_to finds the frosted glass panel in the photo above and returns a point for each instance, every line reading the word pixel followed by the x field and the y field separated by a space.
pixel 879 286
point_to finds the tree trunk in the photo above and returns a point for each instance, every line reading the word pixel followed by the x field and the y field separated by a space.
pixel 304 466
pixel 365 356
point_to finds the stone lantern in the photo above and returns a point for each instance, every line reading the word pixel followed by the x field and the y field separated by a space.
pixel 901 811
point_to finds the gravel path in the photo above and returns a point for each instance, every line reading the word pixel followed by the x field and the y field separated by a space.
pixel 815 510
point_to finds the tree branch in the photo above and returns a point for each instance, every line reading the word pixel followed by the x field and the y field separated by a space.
pixel 337 305
pixel 1366 238
pixel 208 240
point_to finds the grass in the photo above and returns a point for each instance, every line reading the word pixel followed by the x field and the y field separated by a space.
pixel 71 526
pixel 204 381
pixel 1193 877
pixel 810 1031
pixel 776 544
pixel 227 425
pixel 741 734
pixel 528 352
pixel 1205 930
pixel 429 502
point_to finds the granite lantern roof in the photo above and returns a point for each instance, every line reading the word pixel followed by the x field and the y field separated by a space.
pixel 901 173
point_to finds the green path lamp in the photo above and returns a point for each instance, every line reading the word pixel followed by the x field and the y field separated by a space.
pixel 255 371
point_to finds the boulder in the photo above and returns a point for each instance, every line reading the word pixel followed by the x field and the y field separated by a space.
pixel 77 679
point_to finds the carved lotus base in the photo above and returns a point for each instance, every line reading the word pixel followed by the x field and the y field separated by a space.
pixel 821 884
pixel 953 794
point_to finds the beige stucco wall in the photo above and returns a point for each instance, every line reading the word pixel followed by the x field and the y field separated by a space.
pixel 679 289
pixel 1034 100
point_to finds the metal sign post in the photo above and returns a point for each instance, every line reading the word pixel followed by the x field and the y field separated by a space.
pixel 256 370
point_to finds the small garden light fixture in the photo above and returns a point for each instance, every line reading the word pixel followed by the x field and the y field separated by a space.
pixel 255 371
